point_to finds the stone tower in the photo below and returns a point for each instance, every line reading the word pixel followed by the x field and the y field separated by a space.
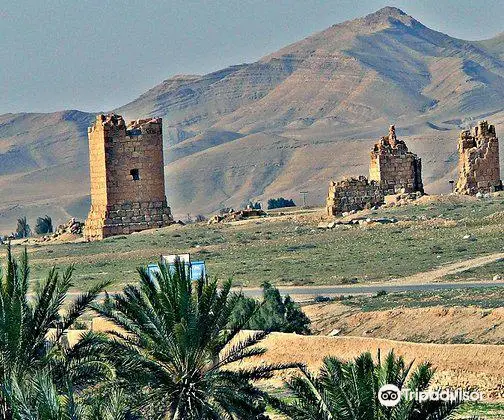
pixel 394 167
pixel 478 165
pixel 127 177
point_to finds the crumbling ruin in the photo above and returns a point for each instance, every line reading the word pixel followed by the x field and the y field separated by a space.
pixel 353 194
pixel 127 177
pixel 394 167
pixel 478 166
pixel 393 171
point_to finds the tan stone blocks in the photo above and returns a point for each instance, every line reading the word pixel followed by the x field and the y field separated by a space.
pixel 394 167
pixel 478 168
pixel 122 202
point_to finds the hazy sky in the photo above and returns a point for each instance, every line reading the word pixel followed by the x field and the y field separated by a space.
pixel 95 55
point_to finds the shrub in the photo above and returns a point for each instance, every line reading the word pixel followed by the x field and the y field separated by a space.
pixel 277 203
pixel 44 225
pixel 274 313
pixel 23 229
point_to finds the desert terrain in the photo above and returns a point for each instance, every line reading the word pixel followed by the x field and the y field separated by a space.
pixel 284 124
pixel 436 240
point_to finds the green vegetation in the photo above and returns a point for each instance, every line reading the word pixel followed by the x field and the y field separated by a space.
pixel 40 374
pixel 23 229
pixel 278 203
pixel 484 272
pixel 44 225
pixel 349 390
pixel 291 251
pixel 274 313
pixel 484 297
pixel 487 411
pixel 178 345
pixel 171 359
pixel 177 355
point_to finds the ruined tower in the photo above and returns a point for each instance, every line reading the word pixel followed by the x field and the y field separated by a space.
pixel 394 167
pixel 478 165
pixel 127 177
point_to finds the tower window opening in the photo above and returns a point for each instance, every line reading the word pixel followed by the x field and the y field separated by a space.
pixel 135 174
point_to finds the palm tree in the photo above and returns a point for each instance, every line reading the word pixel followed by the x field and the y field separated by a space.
pixel 32 330
pixel 178 348
pixel 23 229
pixel 44 225
pixel 349 391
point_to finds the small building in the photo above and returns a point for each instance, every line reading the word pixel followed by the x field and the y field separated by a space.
pixel 127 177
pixel 479 166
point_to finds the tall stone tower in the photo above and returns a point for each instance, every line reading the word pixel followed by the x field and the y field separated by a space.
pixel 478 165
pixel 127 177
pixel 394 167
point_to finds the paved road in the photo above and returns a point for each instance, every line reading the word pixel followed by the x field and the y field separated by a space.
pixel 373 288
pixel 309 291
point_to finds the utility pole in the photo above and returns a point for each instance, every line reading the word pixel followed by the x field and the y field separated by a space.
pixel 451 182
pixel 304 194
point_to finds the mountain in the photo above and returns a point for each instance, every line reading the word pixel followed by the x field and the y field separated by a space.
pixel 286 123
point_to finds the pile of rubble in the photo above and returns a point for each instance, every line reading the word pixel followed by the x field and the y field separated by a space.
pixel 72 227
pixel 357 221
pixel 232 215
pixel 401 199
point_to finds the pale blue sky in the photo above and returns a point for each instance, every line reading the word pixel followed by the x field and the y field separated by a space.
pixel 95 55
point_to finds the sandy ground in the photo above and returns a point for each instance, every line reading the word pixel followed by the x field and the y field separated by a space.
pixel 458 365
pixel 434 324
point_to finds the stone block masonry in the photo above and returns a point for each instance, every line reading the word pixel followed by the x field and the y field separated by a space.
pixel 395 168
pixel 393 171
pixel 127 177
pixel 478 168
pixel 353 194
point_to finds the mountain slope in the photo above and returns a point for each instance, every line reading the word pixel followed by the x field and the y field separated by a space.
pixel 286 123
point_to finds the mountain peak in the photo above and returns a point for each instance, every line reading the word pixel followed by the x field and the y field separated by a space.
pixel 386 16
pixel 390 11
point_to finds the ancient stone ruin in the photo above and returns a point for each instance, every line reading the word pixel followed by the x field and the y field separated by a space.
pixel 395 168
pixel 127 177
pixel 353 194
pixel 393 171
pixel 478 167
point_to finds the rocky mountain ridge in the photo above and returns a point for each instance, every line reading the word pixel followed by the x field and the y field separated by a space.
pixel 287 123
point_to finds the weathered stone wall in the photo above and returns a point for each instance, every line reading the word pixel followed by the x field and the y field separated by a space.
pixel 353 194
pixel 478 166
pixel 395 168
pixel 127 177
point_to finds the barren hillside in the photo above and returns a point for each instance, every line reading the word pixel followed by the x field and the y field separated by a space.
pixel 286 123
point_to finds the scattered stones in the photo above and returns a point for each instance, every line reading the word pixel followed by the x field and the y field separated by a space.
pixel 357 221
pixel 232 215
pixel 401 199
pixel 497 277
pixel 72 227
pixel 469 237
